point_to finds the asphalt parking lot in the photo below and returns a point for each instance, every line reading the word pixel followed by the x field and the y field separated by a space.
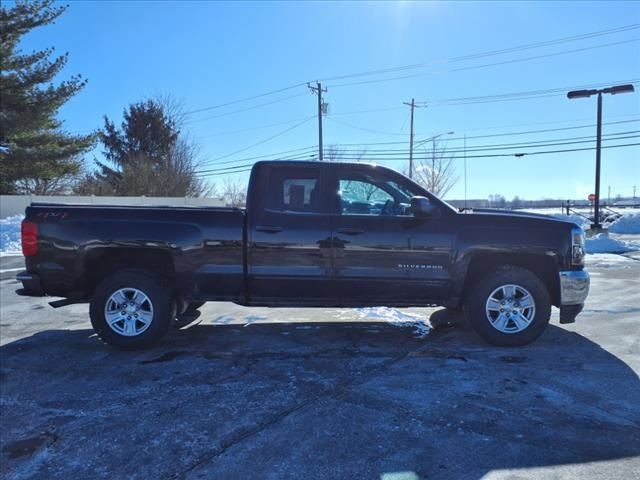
pixel 320 393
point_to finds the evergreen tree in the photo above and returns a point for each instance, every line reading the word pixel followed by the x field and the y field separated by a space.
pixel 34 150
pixel 146 155
pixel 147 135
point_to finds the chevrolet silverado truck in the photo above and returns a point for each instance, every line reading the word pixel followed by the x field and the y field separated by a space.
pixel 312 234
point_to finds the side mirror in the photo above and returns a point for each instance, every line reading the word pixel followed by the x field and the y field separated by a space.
pixel 421 207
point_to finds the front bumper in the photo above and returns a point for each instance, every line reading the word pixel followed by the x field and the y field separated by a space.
pixel 574 287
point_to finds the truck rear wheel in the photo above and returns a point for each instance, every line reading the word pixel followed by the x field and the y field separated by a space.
pixel 131 310
pixel 508 307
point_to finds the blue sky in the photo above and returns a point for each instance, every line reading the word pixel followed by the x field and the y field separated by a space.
pixel 210 53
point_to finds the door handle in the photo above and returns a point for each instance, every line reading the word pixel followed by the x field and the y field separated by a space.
pixel 268 229
pixel 351 231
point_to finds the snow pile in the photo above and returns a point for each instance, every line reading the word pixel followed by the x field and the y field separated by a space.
pixel 629 223
pixel 395 317
pixel 10 234
pixel 602 243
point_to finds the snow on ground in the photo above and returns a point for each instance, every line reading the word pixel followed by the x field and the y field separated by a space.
pixel 393 316
pixel 603 243
pixel 10 234
pixel 626 224
pixel 609 260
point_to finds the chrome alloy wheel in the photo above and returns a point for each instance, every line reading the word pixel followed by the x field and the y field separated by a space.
pixel 128 312
pixel 510 308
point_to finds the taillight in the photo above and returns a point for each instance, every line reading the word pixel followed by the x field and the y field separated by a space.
pixel 29 238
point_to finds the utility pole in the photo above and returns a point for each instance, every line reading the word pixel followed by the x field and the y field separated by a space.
pixel 609 196
pixel 465 170
pixel 321 109
pixel 413 106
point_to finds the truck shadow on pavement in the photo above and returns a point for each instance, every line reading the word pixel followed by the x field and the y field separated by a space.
pixel 311 400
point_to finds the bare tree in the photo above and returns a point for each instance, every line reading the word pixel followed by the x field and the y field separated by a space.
pixel 497 201
pixel 436 171
pixel 234 192
pixel 516 202
pixel 53 185
pixel 333 153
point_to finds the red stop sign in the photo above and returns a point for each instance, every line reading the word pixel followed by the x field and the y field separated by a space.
pixel 592 197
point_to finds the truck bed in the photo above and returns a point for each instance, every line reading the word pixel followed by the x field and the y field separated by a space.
pixel 77 245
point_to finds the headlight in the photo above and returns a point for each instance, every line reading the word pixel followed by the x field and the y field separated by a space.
pixel 577 246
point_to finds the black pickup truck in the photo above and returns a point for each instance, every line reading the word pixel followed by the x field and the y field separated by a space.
pixel 313 234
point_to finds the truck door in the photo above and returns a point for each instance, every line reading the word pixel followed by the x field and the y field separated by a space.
pixel 382 253
pixel 289 250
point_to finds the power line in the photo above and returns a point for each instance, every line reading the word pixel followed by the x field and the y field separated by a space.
pixel 376 110
pixel 547 43
pixel 587 137
pixel 449 139
pixel 533 143
pixel 246 99
pixel 474 67
pixel 368 129
pixel 401 155
pixel 188 122
pixel 251 129
pixel 299 151
pixel 528 94
pixel 490 53
pixel 463 58
pixel 308 152
pixel 233 168
pixel 551 151
pixel 471 137
pixel 305 157
pixel 261 141
pixel 560 129
pixel 554 54
pixel 506 146
pixel 248 167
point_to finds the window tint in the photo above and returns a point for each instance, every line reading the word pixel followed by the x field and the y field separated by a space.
pixel 366 195
pixel 294 190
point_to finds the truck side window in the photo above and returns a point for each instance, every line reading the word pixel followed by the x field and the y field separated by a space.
pixel 294 190
pixel 369 196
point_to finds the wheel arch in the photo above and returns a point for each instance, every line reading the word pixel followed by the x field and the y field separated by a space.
pixel 101 262
pixel 543 266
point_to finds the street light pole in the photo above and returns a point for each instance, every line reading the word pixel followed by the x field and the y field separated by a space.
pixel 596 225
pixel 596 211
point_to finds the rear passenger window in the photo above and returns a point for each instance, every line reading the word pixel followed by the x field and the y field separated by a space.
pixel 294 190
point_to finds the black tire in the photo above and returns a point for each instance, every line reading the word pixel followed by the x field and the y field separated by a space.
pixel 476 304
pixel 159 296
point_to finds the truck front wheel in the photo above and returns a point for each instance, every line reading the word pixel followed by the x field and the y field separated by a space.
pixel 508 307
pixel 131 309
